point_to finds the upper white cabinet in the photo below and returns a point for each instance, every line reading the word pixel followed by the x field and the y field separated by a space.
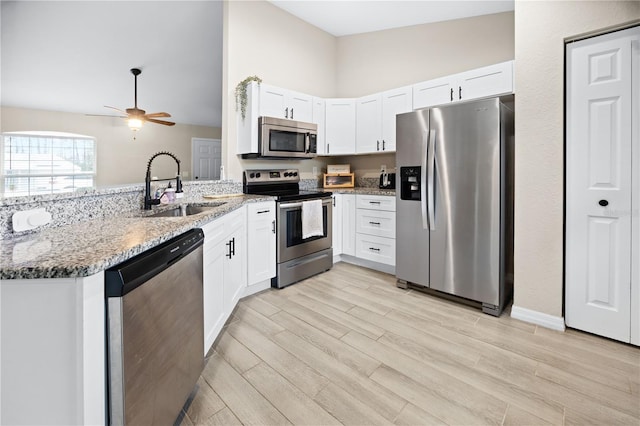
pixel 478 83
pixel 369 123
pixel 319 119
pixel 394 102
pixel 376 119
pixel 282 103
pixel 340 126
pixel 270 101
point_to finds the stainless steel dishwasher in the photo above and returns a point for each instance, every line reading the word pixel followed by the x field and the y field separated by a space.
pixel 155 331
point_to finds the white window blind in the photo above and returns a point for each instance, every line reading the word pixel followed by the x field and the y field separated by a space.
pixel 47 163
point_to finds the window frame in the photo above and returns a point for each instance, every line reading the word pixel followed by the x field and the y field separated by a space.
pixel 49 135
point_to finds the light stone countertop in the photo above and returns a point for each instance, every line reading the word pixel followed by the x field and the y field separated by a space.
pixel 86 248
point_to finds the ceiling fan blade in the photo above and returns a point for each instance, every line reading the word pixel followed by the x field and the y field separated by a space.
pixel 104 115
pixel 117 109
pixel 166 123
pixel 158 114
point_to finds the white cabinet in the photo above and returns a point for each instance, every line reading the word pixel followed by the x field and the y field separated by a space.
pixel 376 228
pixel 261 242
pixel 283 103
pixel 349 224
pixel 394 102
pixel 602 269
pixel 319 119
pixel 340 126
pixel 376 119
pixel 53 351
pixel 369 124
pixel 478 83
pixel 337 231
pixel 224 274
pixel 271 101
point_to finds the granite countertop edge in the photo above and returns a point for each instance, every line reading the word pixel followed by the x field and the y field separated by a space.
pixel 363 191
pixel 55 253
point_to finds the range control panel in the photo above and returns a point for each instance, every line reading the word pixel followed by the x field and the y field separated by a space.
pixel 253 177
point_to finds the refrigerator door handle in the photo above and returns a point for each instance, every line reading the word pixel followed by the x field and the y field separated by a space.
pixel 431 172
pixel 426 141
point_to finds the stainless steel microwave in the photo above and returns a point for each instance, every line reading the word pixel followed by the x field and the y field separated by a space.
pixel 280 138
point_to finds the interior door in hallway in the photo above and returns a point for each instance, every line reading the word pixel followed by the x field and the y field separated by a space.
pixel 599 160
pixel 206 158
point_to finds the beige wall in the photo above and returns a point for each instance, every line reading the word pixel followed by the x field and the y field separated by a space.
pixel 121 160
pixel 261 39
pixel 540 30
pixel 382 60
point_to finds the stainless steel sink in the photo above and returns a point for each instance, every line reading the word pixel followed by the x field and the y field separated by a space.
pixel 186 210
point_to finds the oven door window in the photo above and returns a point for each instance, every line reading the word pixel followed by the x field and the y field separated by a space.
pixel 286 141
pixel 294 227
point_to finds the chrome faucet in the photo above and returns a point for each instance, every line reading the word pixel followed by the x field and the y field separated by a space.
pixel 148 201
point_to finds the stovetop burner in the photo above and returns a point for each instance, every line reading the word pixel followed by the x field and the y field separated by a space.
pixel 280 183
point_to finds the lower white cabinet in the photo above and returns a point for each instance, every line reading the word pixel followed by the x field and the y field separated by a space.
pixel 337 231
pixel 53 351
pixel 375 237
pixel 225 265
pixel 261 242
pixel 349 224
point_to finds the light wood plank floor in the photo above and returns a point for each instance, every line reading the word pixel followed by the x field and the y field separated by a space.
pixel 348 347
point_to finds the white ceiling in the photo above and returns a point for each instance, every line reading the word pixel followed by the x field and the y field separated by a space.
pixel 346 17
pixel 75 56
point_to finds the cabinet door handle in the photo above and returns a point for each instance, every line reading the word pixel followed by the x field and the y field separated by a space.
pixel 264 211
pixel 334 201
pixel 292 113
pixel 286 112
pixel 377 145
pixel 229 246
pixel 383 144
pixel 452 94
pixel 327 148
pixel 603 203
pixel 233 246
pixel 374 223
pixel 459 92
pixel 273 226
pixel 374 249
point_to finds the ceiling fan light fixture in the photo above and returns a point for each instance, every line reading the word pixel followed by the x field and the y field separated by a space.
pixel 135 124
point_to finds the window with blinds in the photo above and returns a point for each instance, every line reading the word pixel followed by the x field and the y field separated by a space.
pixel 47 163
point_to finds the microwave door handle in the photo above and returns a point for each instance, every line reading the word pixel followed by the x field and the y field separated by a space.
pixel 307 142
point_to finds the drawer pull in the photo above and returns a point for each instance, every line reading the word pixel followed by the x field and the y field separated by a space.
pixel 374 249
pixel 374 223
pixel 374 202
pixel 264 211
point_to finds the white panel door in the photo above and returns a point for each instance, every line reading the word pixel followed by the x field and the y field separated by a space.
pixel 394 102
pixel 486 81
pixel 318 118
pixel 598 199
pixel 340 126
pixel 300 107
pixel 206 158
pixel 272 101
pixel 438 91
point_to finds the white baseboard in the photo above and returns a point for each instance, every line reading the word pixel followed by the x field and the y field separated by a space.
pixel 538 318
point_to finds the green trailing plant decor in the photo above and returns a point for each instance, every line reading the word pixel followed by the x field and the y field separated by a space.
pixel 241 93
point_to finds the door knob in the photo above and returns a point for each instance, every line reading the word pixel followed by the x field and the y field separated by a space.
pixel 603 203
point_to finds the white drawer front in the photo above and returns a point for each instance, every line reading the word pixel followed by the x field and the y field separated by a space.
pixel 377 249
pixel 376 202
pixel 376 222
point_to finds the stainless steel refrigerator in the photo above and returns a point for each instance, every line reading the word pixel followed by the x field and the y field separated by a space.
pixel 454 224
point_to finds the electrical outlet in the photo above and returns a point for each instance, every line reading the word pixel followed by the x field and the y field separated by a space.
pixel 315 171
pixel 383 168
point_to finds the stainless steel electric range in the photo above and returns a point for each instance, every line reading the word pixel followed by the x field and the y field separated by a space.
pixel 297 258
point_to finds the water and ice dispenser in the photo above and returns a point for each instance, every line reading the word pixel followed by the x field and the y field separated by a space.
pixel 410 183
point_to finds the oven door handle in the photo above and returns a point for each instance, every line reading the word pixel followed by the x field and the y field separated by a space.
pixel 297 205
